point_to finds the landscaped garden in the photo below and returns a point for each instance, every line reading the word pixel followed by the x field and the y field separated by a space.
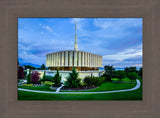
pixel 111 80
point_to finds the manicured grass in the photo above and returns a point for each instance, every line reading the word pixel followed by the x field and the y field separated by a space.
pixel 109 86
pixel 123 80
pixel 39 88
pixel 129 95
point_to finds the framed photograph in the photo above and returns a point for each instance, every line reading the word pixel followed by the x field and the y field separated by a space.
pixel 78 59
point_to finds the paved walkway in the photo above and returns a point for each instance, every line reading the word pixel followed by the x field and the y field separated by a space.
pixel 57 92
pixel 59 88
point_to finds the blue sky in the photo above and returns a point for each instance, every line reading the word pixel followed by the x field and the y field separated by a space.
pixel 117 40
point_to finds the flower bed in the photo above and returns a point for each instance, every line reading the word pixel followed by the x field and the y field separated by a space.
pixel 79 88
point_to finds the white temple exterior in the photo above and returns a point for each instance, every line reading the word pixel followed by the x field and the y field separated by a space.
pixel 66 60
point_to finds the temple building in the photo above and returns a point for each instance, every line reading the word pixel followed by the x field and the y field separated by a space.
pixel 68 59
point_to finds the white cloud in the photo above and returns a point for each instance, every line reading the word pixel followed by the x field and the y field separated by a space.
pixel 30 58
pixel 118 23
pixel 22 47
pixel 129 53
pixel 48 28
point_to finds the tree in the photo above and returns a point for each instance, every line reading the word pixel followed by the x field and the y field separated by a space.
pixel 130 69
pixel 109 72
pixel 120 74
pixel 20 72
pixel 140 72
pixel 44 76
pixel 132 76
pixel 73 81
pixel 34 77
pixel 43 67
pixel 29 67
pixel 57 79
pixel 29 77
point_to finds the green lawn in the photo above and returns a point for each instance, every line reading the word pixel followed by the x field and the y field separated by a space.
pixel 129 95
pixel 39 88
pixel 109 86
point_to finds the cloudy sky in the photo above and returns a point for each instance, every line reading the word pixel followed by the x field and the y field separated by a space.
pixel 118 40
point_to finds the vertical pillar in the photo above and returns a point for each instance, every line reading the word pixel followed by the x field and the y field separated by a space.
pixel 66 58
pixel 54 59
pixel 79 58
pixel 90 60
pixel 71 58
pixel 59 56
pixel 85 60
pixel 51 59
pixel 82 59
pixel 75 58
pixel 47 60
pixel 62 59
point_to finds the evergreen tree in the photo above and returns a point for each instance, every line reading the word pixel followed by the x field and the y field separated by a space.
pixel 57 79
pixel 44 76
pixel 73 81
pixel 43 67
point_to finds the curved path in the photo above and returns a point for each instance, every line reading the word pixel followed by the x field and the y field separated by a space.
pixel 134 88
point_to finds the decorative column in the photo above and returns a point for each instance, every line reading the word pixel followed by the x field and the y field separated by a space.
pixel 75 58
pixel 71 58
pixel 66 58
pixel 82 59
pixel 79 58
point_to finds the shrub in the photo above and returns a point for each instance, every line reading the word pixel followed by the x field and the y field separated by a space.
pixel 72 80
pixel 96 81
pixel 101 80
pixel 47 83
pixel 93 81
pixel 34 77
pixel 28 85
pixel 20 72
pixel 57 79
pixel 87 80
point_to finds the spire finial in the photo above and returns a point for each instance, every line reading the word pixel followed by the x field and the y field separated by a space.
pixel 75 44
